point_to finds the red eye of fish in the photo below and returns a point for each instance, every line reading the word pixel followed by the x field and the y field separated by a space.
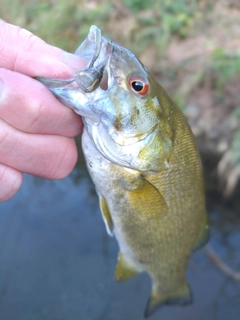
pixel 139 85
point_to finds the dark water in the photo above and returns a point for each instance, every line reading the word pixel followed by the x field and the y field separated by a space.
pixel 57 261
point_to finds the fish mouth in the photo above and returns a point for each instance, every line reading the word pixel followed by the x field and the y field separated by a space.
pixel 97 51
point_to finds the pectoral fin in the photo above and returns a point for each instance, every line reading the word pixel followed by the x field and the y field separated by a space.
pixel 148 200
pixel 124 269
pixel 106 215
pixel 181 297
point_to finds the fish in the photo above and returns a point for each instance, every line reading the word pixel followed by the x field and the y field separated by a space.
pixel 142 157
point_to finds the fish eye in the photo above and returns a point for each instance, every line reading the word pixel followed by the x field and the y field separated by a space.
pixel 139 85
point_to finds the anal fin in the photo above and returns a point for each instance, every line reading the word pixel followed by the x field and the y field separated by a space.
pixel 181 297
pixel 106 215
pixel 124 269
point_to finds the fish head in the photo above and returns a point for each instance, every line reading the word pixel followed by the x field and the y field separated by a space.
pixel 120 103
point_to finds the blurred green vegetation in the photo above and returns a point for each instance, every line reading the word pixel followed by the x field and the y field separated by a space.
pixel 162 20
pixel 225 66
pixel 61 23
pixel 66 23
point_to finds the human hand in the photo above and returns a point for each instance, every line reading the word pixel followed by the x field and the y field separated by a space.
pixel 36 130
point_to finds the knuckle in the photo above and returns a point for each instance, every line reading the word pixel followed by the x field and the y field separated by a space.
pixel 28 43
pixel 35 115
pixel 29 39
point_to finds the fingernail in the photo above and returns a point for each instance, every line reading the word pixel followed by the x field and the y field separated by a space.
pixel 1 86
pixel 73 61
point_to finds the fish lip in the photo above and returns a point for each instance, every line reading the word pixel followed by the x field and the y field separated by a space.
pixel 90 48
pixel 99 51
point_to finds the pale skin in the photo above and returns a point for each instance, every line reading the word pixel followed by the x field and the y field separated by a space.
pixel 36 131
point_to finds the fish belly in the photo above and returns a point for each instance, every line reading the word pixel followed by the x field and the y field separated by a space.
pixel 109 185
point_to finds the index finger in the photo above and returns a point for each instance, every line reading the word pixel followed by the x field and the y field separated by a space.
pixel 23 52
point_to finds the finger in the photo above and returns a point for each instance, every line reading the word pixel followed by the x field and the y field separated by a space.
pixel 10 182
pixel 24 52
pixel 34 110
pixel 47 156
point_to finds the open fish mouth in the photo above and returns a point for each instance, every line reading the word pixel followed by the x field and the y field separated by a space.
pixel 96 49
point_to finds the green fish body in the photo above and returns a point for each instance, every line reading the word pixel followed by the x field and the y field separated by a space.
pixel 142 157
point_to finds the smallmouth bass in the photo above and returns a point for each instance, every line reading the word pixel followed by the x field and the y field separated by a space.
pixel 141 155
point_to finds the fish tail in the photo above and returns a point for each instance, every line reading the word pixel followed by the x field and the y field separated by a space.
pixel 181 297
